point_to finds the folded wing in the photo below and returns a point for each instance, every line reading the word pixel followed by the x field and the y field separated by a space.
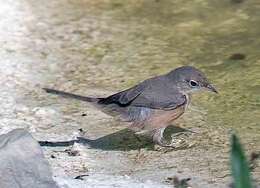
pixel 150 94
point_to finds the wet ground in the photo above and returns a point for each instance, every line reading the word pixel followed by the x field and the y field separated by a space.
pixel 99 47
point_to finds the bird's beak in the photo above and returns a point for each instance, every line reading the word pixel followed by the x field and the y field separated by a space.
pixel 211 88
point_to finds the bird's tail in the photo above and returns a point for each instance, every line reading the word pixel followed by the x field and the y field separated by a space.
pixel 71 95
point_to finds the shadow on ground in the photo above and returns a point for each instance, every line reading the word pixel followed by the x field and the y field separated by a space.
pixel 123 140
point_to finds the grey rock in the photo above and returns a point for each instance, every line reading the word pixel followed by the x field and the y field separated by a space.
pixel 22 163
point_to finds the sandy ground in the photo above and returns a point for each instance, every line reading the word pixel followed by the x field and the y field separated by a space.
pixel 82 47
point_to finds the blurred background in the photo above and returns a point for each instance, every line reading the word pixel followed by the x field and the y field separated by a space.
pixel 97 47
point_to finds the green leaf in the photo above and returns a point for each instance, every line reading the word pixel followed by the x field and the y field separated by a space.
pixel 239 165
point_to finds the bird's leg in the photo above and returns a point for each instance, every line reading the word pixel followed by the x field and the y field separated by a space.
pixel 158 137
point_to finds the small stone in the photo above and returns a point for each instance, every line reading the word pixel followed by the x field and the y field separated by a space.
pixel 72 153
pixel 53 156
pixel 237 56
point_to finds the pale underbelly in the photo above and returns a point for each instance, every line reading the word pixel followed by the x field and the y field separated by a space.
pixel 158 119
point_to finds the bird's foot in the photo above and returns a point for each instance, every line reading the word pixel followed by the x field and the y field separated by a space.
pixel 179 141
pixel 182 140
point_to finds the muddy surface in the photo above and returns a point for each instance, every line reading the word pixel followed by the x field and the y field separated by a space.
pixel 103 46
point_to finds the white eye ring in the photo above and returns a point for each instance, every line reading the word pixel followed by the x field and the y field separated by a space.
pixel 193 83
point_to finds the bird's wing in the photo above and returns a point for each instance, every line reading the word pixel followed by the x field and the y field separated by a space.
pixel 147 94
pixel 124 97
pixel 160 99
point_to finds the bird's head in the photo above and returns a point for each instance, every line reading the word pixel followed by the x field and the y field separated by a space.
pixel 189 79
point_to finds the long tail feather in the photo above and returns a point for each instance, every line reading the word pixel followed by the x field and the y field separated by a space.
pixel 70 95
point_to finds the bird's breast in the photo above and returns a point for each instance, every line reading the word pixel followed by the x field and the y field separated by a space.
pixel 159 118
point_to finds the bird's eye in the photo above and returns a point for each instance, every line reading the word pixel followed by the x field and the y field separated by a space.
pixel 193 83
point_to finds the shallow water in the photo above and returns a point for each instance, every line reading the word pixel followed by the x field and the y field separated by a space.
pixel 102 46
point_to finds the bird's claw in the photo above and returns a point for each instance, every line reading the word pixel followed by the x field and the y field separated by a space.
pixel 179 141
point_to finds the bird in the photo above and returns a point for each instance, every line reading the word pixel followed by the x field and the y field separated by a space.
pixel 153 104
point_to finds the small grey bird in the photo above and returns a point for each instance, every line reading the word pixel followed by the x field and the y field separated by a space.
pixel 153 104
